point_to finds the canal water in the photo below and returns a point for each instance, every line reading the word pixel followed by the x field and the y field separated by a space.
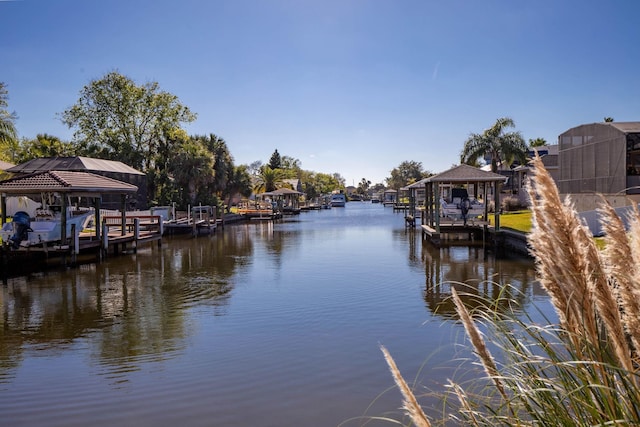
pixel 260 324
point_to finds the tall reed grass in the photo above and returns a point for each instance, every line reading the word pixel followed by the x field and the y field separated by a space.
pixel 582 370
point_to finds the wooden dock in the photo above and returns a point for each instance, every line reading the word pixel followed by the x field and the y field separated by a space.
pixel 112 238
pixel 455 229
pixel 259 214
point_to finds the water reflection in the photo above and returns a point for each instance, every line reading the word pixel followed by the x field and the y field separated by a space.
pixel 278 320
pixel 128 310
pixel 480 278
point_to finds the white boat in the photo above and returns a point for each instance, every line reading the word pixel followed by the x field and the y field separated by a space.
pixel 467 207
pixel 46 227
pixel 338 200
pixel 462 206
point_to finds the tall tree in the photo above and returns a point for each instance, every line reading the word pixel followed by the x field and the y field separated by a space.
pixel 116 119
pixel 8 132
pixel 192 168
pixel 254 167
pixel 290 163
pixel 238 182
pixel 222 160
pixel 608 119
pixel 363 186
pixel 275 162
pixel 339 179
pixel 43 145
pixel 315 184
pixel 407 172
pixel 494 142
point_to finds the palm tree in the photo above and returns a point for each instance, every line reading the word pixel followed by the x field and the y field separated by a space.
pixel 8 133
pixel 494 142
pixel 538 142
pixel 363 186
pixel 608 119
pixel 268 179
pixel 238 182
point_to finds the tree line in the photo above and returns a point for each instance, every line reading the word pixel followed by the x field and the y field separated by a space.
pixel 142 126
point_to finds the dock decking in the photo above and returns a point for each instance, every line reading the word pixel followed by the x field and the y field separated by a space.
pixel 111 238
pixel 449 228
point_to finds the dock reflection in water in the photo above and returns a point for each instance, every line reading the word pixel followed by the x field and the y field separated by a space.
pixel 260 324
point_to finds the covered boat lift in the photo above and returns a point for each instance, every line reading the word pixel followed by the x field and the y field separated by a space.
pixel 287 201
pixel 433 189
pixel 64 185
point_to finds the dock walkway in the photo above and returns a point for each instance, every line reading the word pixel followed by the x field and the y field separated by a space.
pixel 454 228
pixel 112 237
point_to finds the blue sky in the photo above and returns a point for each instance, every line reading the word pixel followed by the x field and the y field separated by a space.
pixel 354 87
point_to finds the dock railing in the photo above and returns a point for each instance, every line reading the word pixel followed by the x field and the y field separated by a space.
pixel 138 225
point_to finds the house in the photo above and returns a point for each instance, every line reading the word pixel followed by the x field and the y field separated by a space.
pixel 107 168
pixel 600 159
pixel 294 183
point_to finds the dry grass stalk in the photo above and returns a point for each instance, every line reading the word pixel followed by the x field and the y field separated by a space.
pixel 414 410
pixel 464 403
pixel 597 297
pixel 630 296
pixel 566 256
pixel 619 266
pixel 481 349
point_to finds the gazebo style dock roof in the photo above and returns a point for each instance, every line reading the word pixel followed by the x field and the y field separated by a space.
pixel 69 182
pixel 465 174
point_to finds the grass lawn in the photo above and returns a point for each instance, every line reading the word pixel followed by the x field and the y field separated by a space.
pixel 519 221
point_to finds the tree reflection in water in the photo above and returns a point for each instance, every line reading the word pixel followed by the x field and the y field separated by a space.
pixel 129 309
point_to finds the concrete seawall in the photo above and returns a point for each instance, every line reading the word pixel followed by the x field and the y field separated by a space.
pixel 506 240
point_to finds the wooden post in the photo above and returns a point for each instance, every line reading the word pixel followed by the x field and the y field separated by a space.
pixel 3 206
pixel 105 238
pixel 75 243
pixel 136 234
pixel 96 216
pixel 63 218
pixel 436 196
pixel 428 205
pixel 193 223
pixel 123 214
pixel 496 204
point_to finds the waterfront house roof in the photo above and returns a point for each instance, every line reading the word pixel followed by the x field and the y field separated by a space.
pixel 77 163
pixel 626 127
pixel 623 127
pixel 294 183
pixel 464 173
pixel 416 184
pixel 65 182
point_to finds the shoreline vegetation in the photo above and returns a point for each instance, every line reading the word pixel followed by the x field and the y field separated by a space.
pixel 581 370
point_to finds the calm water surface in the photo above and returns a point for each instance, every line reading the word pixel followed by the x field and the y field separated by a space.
pixel 262 324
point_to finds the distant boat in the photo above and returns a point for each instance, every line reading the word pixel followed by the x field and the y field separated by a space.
pixel 338 200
